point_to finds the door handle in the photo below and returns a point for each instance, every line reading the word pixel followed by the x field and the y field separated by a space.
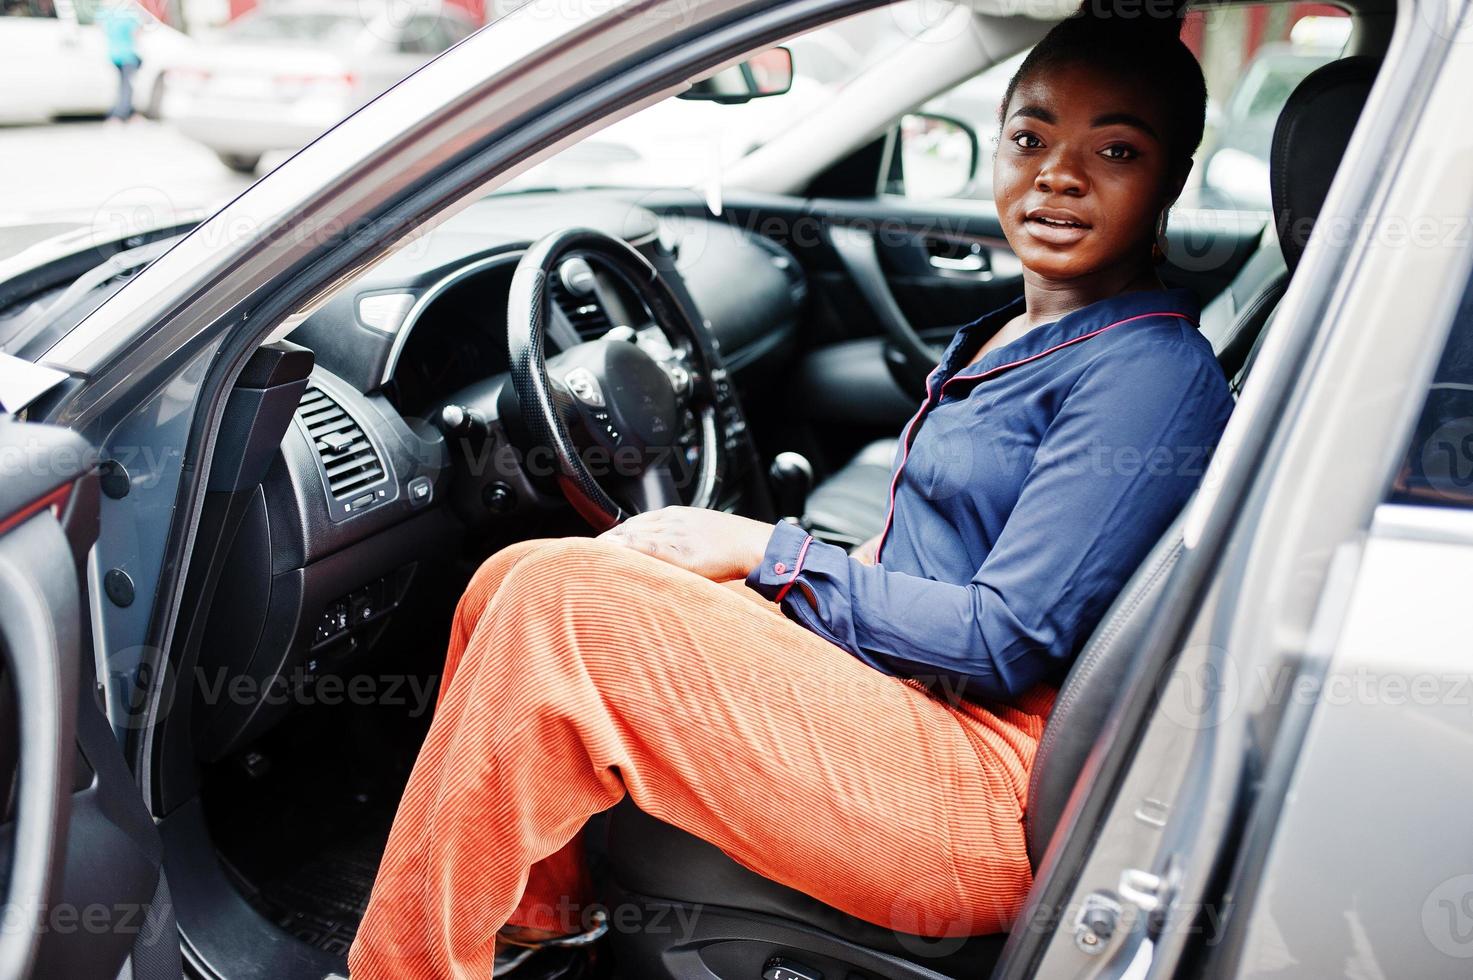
pixel 966 263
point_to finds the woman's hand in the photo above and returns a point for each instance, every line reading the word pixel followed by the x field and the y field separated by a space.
pixel 713 544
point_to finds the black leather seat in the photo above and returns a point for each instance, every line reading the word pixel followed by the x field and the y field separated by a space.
pixel 851 503
pixel 717 919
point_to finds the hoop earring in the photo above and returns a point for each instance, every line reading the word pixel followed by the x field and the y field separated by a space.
pixel 1158 245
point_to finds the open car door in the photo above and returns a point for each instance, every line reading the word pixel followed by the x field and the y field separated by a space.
pixel 79 854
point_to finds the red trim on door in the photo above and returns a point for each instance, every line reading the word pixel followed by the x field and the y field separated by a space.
pixel 55 499
pixel 905 437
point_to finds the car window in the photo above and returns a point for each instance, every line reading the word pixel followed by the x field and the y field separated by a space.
pixel 27 8
pixel 1437 468
pixel 681 143
pixel 1252 58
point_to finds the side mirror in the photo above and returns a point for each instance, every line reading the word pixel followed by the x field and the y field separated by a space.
pixel 768 73
pixel 930 156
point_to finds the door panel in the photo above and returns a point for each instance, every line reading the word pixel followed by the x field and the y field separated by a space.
pixel 79 850
pixel 945 262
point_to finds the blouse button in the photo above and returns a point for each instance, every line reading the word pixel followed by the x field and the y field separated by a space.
pixel 779 567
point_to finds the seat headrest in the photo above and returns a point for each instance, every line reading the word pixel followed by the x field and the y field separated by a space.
pixel 1310 138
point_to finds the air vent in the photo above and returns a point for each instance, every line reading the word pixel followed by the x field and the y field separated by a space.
pixel 587 317
pixel 348 458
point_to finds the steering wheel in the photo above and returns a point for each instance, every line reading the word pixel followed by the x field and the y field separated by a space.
pixel 610 413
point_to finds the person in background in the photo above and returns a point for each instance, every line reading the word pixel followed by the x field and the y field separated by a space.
pixel 120 25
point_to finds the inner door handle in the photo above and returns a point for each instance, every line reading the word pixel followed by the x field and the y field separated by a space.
pixel 966 263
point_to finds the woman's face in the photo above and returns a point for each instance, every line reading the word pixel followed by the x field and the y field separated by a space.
pixel 1081 171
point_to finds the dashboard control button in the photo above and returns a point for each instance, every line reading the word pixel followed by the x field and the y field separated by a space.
pixel 421 490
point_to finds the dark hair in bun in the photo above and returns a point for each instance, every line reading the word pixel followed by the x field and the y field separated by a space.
pixel 1136 39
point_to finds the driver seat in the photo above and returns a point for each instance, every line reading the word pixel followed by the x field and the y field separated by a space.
pixel 698 914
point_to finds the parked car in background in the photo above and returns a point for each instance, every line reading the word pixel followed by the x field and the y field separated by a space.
pixel 279 76
pixel 53 60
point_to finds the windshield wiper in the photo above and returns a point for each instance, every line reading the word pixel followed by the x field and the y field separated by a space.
pixel 40 316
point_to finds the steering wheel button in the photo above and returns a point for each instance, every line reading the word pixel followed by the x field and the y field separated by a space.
pixel 584 386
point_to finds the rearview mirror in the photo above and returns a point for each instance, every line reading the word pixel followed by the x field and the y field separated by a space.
pixel 930 156
pixel 768 73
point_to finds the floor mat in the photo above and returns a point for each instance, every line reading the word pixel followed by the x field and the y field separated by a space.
pixel 322 901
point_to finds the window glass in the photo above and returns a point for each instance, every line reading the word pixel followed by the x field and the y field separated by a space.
pixel 1252 58
pixel 1437 469
pixel 682 143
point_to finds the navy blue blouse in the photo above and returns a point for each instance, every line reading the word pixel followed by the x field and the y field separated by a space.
pixel 1027 489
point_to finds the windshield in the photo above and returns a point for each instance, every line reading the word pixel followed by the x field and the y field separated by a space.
pixel 683 143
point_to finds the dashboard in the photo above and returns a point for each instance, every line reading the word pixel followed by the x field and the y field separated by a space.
pixel 456 330
pixel 366 485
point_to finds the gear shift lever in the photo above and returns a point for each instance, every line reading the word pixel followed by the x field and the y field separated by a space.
pixel 791 477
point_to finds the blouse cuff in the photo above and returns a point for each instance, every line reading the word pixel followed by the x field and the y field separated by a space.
pixel 781 563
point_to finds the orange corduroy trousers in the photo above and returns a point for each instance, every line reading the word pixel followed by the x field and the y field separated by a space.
pixel 579 671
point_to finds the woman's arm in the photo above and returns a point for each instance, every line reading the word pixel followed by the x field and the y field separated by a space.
pixel 1126 450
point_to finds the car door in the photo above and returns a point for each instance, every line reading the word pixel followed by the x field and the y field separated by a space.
pixel 79 852
pixel 37 48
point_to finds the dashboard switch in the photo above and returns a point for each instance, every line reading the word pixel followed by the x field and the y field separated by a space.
pixel 362 606
pixel 420 491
